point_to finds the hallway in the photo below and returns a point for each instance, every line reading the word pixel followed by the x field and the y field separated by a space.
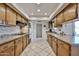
pixel 38 48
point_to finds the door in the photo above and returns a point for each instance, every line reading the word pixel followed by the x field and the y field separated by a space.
pixel 38 31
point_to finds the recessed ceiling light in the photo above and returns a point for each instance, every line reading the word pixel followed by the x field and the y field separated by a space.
pixel 32 13
pixel 38 10
pixel 45 13
pixel 37 3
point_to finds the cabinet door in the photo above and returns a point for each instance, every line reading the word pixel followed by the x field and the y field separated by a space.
pixel 24 42
pixel 11 17
pixel 18 46
pixel 2 12
pixel 63 49
pixel 59 19
pixel 54 45
pixel 55 23
pixel 7 49
pixel 70 12
pixel 49 39
pixel 19 18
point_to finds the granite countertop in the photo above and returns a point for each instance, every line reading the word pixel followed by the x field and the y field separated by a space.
pixel 7 38
pixel 67 38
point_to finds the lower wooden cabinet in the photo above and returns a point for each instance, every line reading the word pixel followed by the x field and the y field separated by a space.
pixel 7 49
pixel 59 47
pixel 49 39
pixel 18 46
pixel 54 45
pixel 63 48
pixel 24 42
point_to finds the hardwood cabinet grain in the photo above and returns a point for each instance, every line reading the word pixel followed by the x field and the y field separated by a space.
pixel 59 19
pixel 18 46
pixel 7 49
pixel 70 12
pixel 19 18
pixel 63 49
pixel 11 17
pixel 2 12
pixel 55 23
pixel 54 45
pixel 24 42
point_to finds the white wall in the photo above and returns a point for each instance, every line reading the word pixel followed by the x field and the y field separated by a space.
pixel 33 30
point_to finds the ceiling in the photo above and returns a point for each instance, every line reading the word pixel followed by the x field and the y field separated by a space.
pixel 37 9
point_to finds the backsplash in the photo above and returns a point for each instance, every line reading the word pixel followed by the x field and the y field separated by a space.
pixel 68 28
pixel 9 30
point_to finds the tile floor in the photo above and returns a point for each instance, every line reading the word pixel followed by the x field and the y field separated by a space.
pixel 38 48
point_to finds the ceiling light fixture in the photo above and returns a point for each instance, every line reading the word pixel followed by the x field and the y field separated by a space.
pixel 45 13
pixel 38 10
pixel 32 13
pixel 37 3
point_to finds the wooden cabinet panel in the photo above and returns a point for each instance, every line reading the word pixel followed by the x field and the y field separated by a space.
pixel 54 45
pixel 19 18
pixel 70 12
pixel 2 12
pixel 24 42
pixel 49 39
pixel 59 19
pixel 18 46
pixel 63 49
pixel 11 17
pixel 55 23
pixel 7 49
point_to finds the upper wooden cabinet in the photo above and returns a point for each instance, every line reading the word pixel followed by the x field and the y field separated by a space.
pixel 55 23
pixel 19 18
pixel 59 19
pixel 70 12
pixel 2 12
pixel 10 17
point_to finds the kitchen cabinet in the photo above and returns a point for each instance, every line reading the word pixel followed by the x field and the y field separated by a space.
pixel 59 47
pixel 24 42
pixel 59 19
pixel 7 49
pixel 63 48
pixel 18 46
pixel 54 45
pixel 2 13
pixel 70 12
pixel 55 23
pixel 11 17
pixel 19 18
pixel 50 39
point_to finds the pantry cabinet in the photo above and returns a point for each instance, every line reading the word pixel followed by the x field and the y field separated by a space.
pixel 70 12
pixel 11 17
pixel 18 46
pixel 2 13
pixel 7 49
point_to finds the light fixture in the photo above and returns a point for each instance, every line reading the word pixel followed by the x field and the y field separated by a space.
pixel 38 10
pixel 37 3
pixel 32 14
pixel 45 13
